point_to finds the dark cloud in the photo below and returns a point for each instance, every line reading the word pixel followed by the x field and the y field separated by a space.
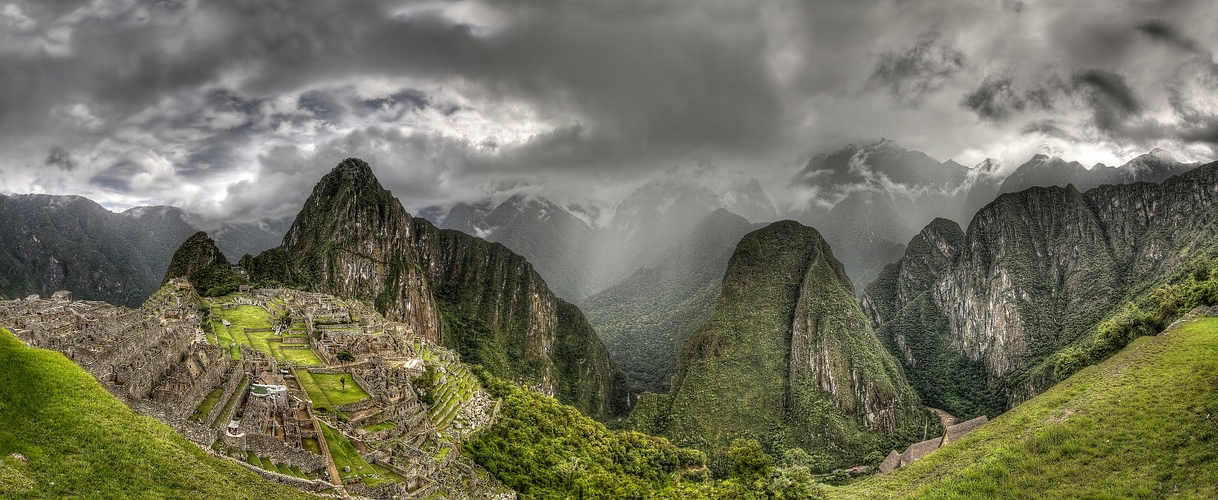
pixel 1109 96
pixel 1163 32
pixel 61 158
pixel 236 107
pixel 923 68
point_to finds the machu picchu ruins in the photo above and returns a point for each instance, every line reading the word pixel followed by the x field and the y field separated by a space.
pixel 303 388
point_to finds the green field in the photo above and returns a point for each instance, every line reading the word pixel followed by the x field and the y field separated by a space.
pixel 302 356
pixel 1142 424
pixel 388 424
pixel 253 317
pixel 316 394
pixel 83 443
pixel 208 403
pixel 336 392
pixel 344 454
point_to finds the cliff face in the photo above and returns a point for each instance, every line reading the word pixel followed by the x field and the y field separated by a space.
pixel 353 239
pixel 1035 271
pixel 788 356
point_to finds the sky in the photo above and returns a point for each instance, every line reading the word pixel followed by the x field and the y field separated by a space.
pixel 234 109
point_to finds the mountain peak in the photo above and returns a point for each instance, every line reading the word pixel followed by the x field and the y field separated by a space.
pixel 353 168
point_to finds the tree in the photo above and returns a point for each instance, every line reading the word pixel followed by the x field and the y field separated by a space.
pixel 345 357
pixel 748 461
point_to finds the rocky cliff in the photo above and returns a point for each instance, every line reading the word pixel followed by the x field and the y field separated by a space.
pixel 353 239
pixel 788 357
pixel 1035 271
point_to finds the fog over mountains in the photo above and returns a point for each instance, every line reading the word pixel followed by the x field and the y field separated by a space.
pixel 867 200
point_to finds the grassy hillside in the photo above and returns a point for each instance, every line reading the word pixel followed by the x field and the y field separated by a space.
pixel 80 441
pixel 1142 424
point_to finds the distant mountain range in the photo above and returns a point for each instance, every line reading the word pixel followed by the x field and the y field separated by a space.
pixel 50 243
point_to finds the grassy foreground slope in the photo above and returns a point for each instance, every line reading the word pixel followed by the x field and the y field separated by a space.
pixel 1142 424
pixel 79 441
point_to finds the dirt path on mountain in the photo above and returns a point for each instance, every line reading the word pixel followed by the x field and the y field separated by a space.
pixel 947 418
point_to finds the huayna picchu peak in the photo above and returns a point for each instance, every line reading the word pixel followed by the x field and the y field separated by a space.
pixel 788 358
pixel 353 239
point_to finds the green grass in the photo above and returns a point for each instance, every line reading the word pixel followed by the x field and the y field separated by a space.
pixel 81 442
pixel 311 445
pixel 224 338
pixel 1142 424
pixel 336 392
pixel 388 424
pixel 344 454
pixel 228 407
pixel 244 317
pixel 302 356
pixel 208 403
pixel 316 394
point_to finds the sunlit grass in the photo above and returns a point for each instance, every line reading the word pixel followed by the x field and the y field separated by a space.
pixel 1142 424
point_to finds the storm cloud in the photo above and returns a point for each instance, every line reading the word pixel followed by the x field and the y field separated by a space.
pixel 234 108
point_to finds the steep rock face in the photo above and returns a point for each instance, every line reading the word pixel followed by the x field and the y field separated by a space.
pixel 1035 272
pixel 788 356
pixel 927 256
pixel 352 238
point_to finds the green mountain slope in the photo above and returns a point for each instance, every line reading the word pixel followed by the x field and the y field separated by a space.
pixel 646 318
pixel 80 441
pixel 353 239
pixel 789 359
pixel 1142 424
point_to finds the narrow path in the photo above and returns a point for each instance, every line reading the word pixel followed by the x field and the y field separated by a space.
pixel 946 418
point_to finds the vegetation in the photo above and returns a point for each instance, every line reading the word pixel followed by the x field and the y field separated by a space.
pixel 646 318
pixel 544 449
pixel 1141 424
pixel 77 440
pixel 344 455
pixel 208 403
pixel 339 389
pixel 1163 305
pixel 314 390
pixel 784 298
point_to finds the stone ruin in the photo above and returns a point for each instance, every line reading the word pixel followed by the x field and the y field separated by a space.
pixel 916 451
pixel 159 361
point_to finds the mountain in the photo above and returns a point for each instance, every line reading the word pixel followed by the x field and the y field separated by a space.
pixel 582 249
pixel 871 198
pixel 1034 275
pixel 64 436
pixel 645 319
pixel 1044 171
pixel 862 227
pixel 50 243
pixel 921 187
pixel 1140 424
pixel 788 357
pixel 199 260
pixel 353 239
